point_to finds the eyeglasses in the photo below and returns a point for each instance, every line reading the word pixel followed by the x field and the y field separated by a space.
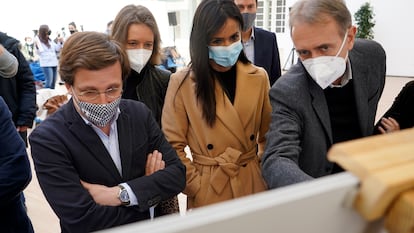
pixel 111 93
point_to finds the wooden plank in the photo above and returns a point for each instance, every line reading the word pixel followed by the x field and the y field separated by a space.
pixel 380 189
pixel 385 166
pixel 365 155
pixel 400 218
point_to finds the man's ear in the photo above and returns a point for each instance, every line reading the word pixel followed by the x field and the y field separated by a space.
pixel 351 37
pixel 68 88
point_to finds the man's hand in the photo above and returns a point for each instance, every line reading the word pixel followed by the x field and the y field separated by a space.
pixel 154 163
pixel 388 125
pixel 103 195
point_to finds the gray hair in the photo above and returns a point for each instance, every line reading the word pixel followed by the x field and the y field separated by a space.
pixel 317 11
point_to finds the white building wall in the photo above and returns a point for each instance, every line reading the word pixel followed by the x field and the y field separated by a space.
pixel 392 29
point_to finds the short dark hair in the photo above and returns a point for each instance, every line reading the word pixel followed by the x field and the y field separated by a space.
pixel 91 51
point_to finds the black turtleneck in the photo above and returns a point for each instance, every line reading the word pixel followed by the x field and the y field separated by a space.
pixel 343 114
pixel 228 82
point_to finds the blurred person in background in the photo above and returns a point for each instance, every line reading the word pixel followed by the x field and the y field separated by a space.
pixel 108 30
pixel 19 91
pixel 72 28
pixel 259 45
pixel 47 51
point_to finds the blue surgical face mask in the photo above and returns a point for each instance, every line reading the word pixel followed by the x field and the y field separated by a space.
pixel 225 56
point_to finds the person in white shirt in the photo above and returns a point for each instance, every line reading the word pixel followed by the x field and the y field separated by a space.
pixel 47 50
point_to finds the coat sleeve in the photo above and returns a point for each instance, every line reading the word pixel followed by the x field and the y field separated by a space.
pixel 175 125
pixel 15 173
pixel 280 162
pixel 8 63
pixel 401 109
pixel 266 117
pixel 275 72
pixel 26 91
pixel 165 183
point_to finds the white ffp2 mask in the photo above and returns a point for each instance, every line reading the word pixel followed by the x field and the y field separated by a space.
pixel 138 58
pixel 324 70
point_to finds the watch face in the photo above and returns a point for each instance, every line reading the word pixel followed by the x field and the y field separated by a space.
pixel 123 196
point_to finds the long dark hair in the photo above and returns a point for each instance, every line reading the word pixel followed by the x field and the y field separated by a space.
pixel 44 34
pixel 209 18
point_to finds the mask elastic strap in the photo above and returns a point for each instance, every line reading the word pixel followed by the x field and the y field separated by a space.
pixel 74 94
pixel 343 43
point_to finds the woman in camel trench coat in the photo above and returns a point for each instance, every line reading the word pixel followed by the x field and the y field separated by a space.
pixel 219 109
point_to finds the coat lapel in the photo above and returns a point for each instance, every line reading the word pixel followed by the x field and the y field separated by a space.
pixel 320 107
pixel 247 96
pixel 91 141
pixel 125 138
pixel 236 117
pixel 361 89
pixel 228 115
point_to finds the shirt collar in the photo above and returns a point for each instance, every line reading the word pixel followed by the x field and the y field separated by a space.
pixel 347 76
pixel 252 34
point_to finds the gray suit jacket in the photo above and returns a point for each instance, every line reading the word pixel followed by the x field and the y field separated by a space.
pixel 300 132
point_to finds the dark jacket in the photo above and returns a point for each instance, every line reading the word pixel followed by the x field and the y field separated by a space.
pixel 266 53
pixel 66 150
pixel 402 108
pixel 19 92
pixel 15 175
pixel 149 87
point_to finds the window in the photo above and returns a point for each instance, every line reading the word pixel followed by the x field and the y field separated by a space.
pixel 271 15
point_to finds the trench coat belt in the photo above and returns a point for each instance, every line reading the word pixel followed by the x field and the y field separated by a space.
pixel 229 163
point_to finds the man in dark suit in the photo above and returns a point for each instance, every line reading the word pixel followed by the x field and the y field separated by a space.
pixel 259 45
pixel 330 96
pixel 15 175
pixel 102 161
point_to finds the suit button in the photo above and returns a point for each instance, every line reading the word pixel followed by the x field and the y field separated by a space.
pixel 210 146
pixel 251 137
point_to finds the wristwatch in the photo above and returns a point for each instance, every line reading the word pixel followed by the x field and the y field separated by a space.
pixel 123 195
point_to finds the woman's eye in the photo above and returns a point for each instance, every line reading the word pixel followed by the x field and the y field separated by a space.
pixel 132 44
